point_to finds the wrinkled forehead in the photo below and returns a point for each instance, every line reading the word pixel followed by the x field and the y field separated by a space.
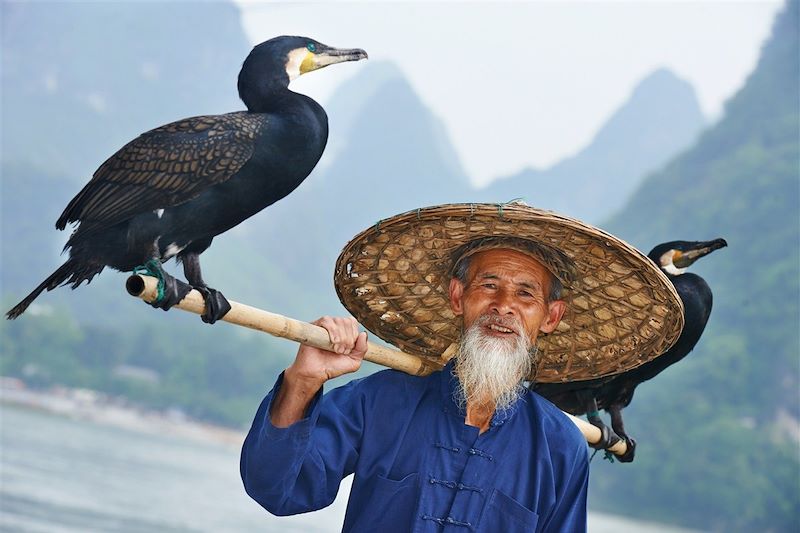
pixel 506 262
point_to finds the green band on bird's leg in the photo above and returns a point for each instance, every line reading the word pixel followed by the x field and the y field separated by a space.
pixel 153 268
pixel 608 456
pixel 590 414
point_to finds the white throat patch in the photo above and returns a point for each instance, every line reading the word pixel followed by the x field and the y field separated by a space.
pixel 296 58
pixel 668 266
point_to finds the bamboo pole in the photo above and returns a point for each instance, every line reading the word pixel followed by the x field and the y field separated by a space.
pixel 145 287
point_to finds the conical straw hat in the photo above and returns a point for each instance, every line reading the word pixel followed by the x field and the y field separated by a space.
pixel 622 311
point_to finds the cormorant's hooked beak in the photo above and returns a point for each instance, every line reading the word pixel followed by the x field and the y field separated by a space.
pixel 329 56
pixel 700 249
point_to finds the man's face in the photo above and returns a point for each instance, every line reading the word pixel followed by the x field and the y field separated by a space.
pixel 509 287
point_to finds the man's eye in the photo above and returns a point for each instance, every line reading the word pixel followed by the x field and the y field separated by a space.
pixel 526 294
pixel 488 285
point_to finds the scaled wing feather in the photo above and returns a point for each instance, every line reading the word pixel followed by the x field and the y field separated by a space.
pixel 165 167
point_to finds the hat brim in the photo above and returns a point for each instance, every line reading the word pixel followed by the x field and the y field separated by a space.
pixel 622 311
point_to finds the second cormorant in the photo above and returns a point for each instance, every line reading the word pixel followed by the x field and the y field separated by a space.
pixel 616 392
pixel 171 190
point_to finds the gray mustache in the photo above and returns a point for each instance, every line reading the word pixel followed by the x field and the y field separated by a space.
pixel 505 322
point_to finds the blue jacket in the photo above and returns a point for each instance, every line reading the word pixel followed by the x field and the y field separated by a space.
pixel 418 466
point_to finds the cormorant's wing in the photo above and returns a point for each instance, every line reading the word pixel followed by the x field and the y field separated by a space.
pixel 165 167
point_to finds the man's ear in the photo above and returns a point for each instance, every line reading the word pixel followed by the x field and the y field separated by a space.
pixel 456 294
pixel 555 310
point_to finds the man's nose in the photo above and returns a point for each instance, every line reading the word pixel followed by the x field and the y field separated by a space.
pixel 502 303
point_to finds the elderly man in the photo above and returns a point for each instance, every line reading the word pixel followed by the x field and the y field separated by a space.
pixel 467 448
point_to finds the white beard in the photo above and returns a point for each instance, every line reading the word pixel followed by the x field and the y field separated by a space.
pixel 491 369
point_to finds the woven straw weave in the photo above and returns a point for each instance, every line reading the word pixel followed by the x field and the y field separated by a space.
pixel 621 310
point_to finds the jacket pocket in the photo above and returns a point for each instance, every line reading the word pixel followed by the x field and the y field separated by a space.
pixel 384 503
pixel 503 513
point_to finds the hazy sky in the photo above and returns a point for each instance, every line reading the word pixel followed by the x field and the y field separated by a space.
pixel 526 84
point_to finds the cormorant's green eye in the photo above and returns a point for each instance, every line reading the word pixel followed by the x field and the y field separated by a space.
pixel 311 47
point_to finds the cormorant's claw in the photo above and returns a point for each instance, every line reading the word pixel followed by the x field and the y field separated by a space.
pixel 217 305
pixel 627 457
pixel 607 437
pixel 174 291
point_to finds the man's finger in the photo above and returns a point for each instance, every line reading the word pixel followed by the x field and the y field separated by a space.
pixel 354 325
pixel 342 332
pixel 344 337
pixel 360 347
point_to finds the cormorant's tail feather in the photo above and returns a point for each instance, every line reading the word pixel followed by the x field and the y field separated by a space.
pixel 72 271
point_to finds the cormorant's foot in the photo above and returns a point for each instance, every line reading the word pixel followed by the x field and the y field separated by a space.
pixel 607 438
pixel 217 305
pixel 627 457
pixel 174 291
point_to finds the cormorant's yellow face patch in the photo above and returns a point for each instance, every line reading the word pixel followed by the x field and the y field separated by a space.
pixel 308 63
pixel 300 61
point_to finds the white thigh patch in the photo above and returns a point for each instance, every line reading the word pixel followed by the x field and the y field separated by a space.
pixel 172 250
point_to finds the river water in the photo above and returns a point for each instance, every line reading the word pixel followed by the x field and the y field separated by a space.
pixel 63 475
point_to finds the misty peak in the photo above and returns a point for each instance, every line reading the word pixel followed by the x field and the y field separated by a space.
pixel 379 72
pixel 662 85
pixel 660 118
pixel 365 83
pixel 349 98
pixel 660 76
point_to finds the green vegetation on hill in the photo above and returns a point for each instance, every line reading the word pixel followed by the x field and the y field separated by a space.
pixel 718 445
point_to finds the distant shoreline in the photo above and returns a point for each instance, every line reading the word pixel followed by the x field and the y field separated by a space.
pixel 101 408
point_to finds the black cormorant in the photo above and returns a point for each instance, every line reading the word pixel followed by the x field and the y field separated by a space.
pixel 616 392
pixel 171 190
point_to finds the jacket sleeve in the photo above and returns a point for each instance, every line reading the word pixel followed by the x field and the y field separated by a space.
pixel 298 469
pixel 569 513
